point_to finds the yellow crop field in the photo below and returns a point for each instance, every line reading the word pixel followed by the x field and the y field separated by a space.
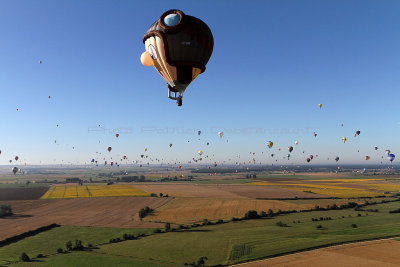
pixel 328 189
pixel 384 187
pixel 75 191
pixel 340 193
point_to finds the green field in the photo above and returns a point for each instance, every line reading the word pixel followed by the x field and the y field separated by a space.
pixel 227 243
pixel 47 242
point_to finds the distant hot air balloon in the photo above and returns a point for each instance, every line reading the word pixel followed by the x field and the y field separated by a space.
pixel 117 135
pixel 367 157
pixel 341 125
pixel 270 144
pixel 198 132
pixel 358 132
pixel 220 134
pixel 311 157
pixel 170 145
pixel 15 170
pixel 290 149
pixel 208 143
pixel 391 157
pixel 179 47
pixel 40 62
pixel 387 151
pixel 272 155
pixel 109 149
pixel 180 167
pixel 16 158
pixel 344 139
pixel 111 163
pixel 308 159
pixel 296 142
pixel 200 152
pixel 315 134
pixel 145 149
pixel 337 159
pixel 320 105
pixel 376 148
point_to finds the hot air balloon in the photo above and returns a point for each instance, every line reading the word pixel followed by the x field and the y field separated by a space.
pixel 367 157
pixel 220 134
pixel 170 145
pixel 308 159
pixel 290 149
pixel 270 144
pixel 124 157
pixel 117 135
pixel 180 167
pixel 200 152
pixel 288 156
pixel 16 158
pixel 198 132
pixel 15 170
pixel 111 163
pixel 0 152
pixel 145 149
pixel 92 160
pixel 337 159
pixel 109 149
pixel 320 105
pixel 387 151
pixel 358 132
pixel 376 148
pixel 208 143
pixel 391 157
pixel 344 139
pixel 296 142
pixel 341 125
pixel 272 155
pixel 179 47
pixel 315 134
pixel 311 157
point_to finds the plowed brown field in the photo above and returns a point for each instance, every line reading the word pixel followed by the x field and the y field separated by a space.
pixel 119 212
pixel 369 254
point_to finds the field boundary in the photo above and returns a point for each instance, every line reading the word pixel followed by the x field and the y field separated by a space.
pixel 30 233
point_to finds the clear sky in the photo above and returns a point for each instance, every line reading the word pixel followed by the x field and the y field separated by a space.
pixel 273 63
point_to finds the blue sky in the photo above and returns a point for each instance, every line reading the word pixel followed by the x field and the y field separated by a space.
pixel 273 63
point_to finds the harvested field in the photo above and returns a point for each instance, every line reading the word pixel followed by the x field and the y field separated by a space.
pixel 190 210
pixel 370 253
pixel 121 212
pixel 224 191
pixel 22 193
pixel 74 191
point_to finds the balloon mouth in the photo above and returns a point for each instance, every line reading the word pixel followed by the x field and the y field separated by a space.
pixel 175 86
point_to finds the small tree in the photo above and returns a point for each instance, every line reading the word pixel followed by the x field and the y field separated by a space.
pixel 24 257
pixel 78 245
pixel 201 261
pixel 167 227
pixel 251 214
pixel 68 245
pixel 60 250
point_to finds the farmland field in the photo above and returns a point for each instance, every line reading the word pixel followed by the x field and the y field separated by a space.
pixel 225 191
pixel 47 242
pixel 74 191
pixel 193 210
pixel 21 193
pixel 368 253
pixel 102 212
pixel 247 240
